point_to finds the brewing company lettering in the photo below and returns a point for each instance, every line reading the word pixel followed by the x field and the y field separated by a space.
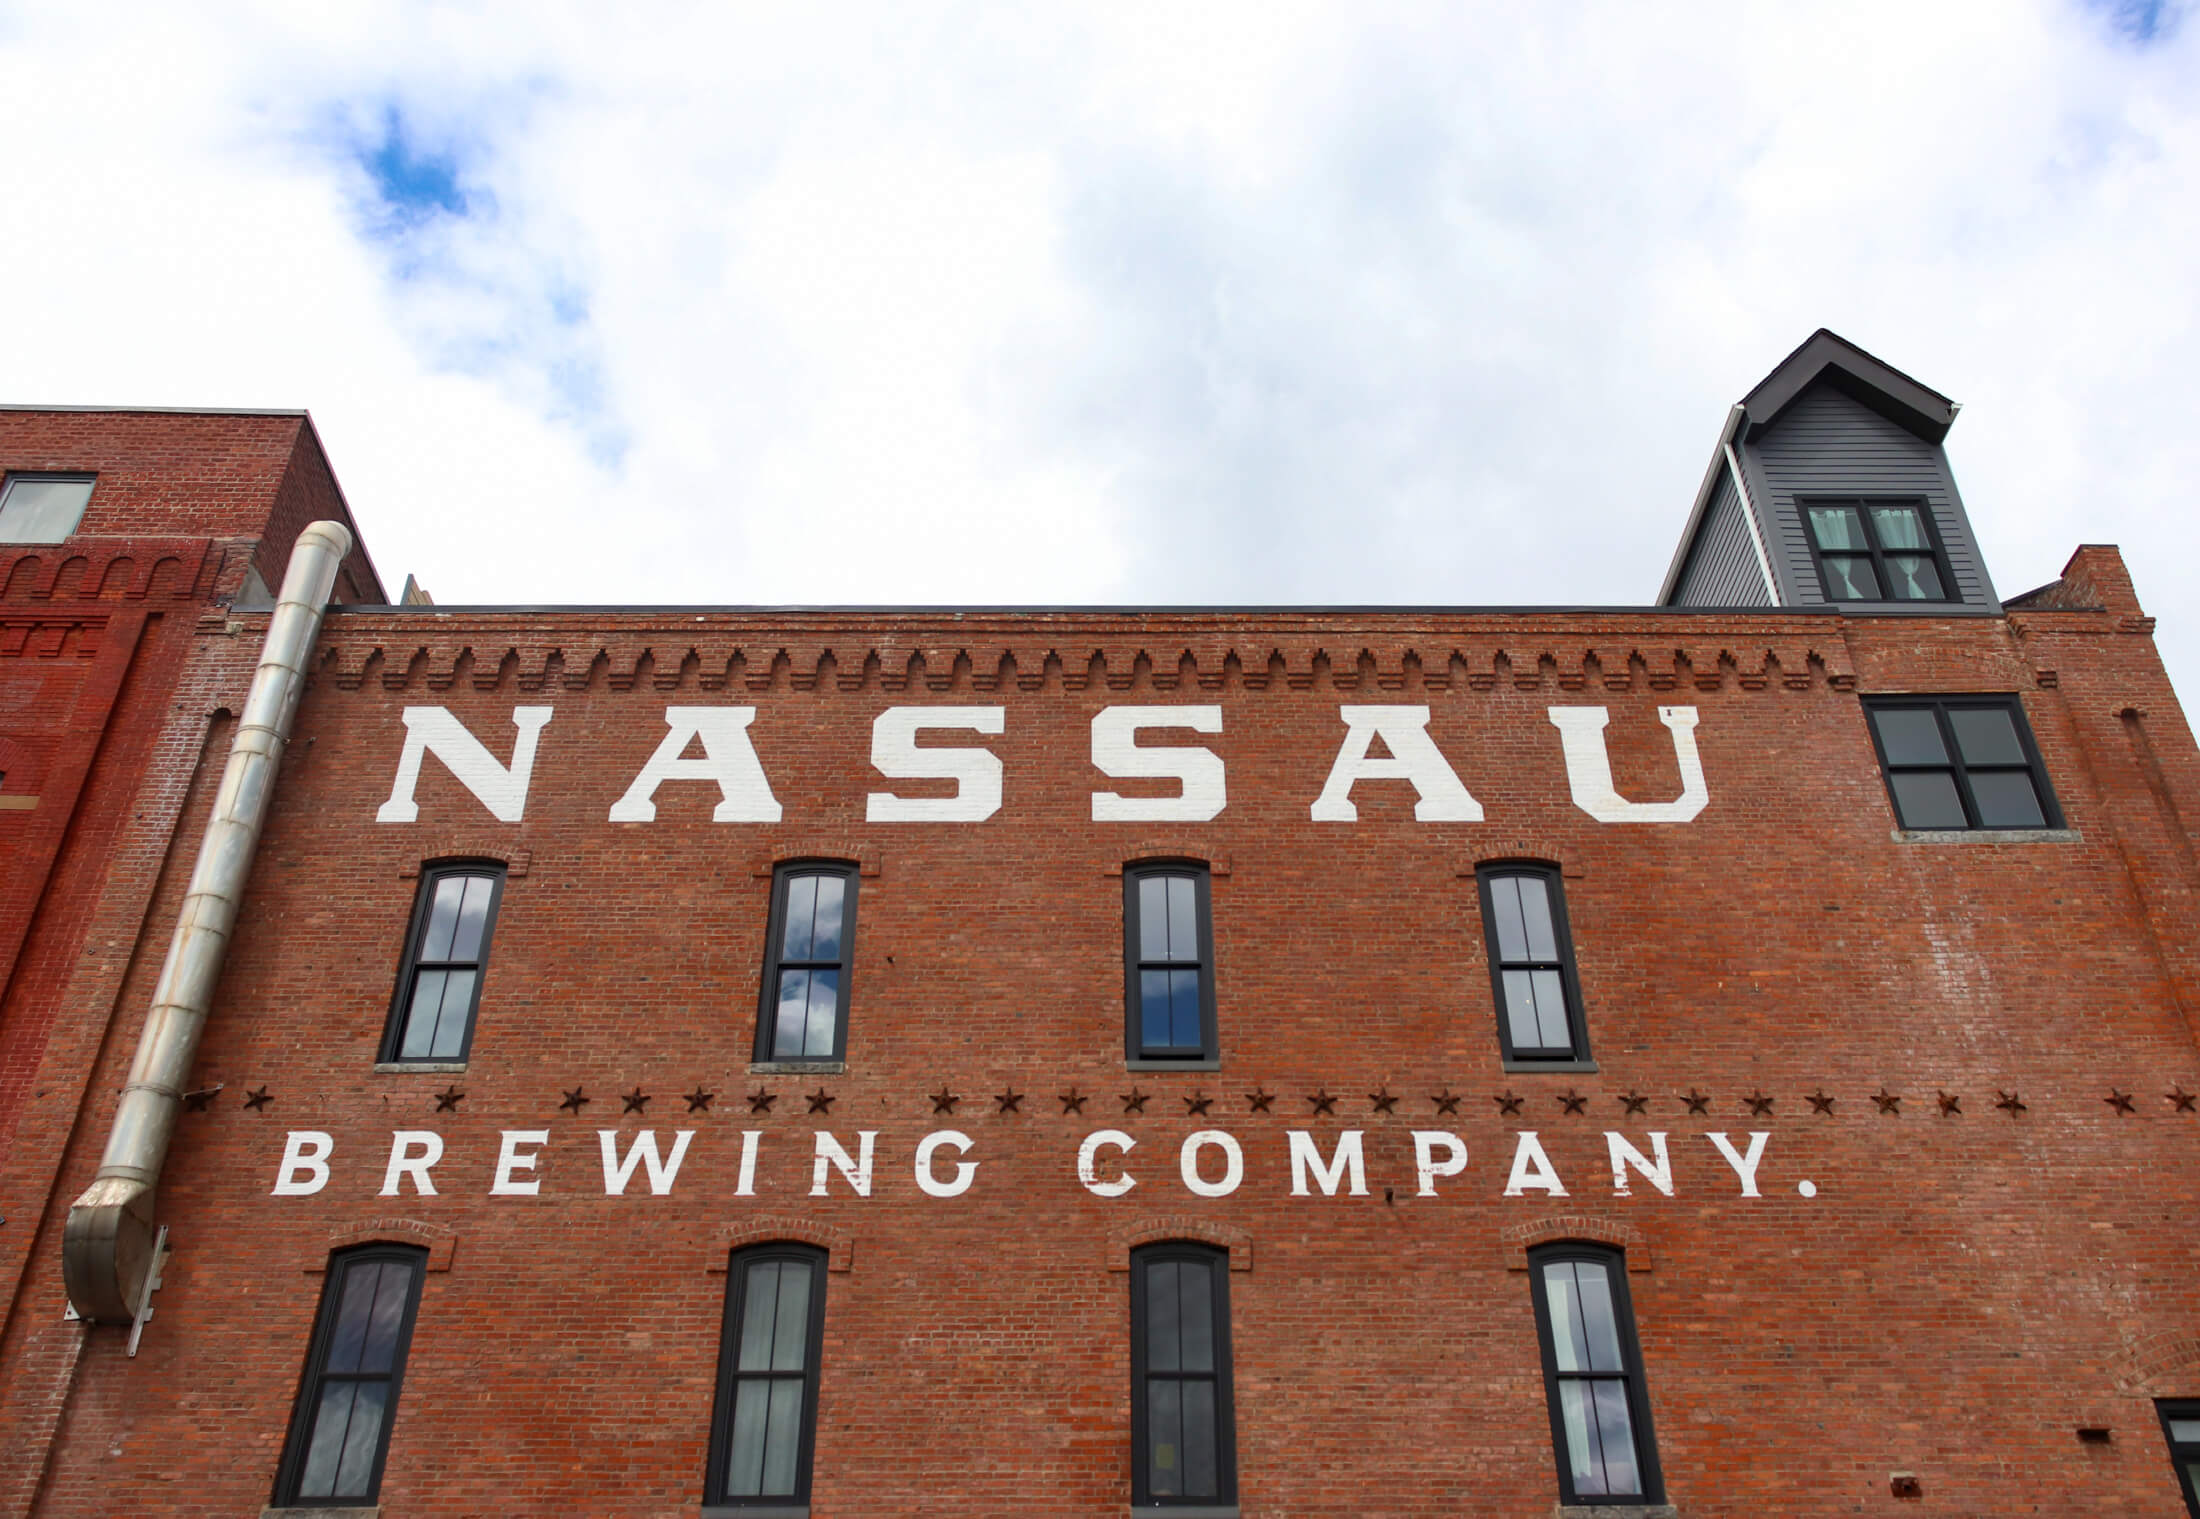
pixel 745 793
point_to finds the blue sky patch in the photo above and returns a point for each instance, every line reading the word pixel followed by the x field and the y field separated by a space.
pixel 2141 21
pixel 412 181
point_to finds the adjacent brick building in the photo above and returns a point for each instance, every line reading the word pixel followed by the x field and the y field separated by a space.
pixel 1836 1089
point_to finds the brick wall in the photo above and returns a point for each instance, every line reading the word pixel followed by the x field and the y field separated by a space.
pixel 1964 1289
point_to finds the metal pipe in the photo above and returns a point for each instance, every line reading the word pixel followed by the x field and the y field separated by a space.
pixel 107 1246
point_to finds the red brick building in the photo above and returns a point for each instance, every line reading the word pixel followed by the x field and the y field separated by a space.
pixel 1728 1057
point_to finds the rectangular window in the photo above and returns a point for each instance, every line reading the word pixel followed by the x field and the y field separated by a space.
pixel 2181 1428
pixel 340 1430
pixel 809 951
pixel 765 1422
pixel 1876 550
pixel 1532 964
pixel 1592 1371
pixel 446 956
pixel 1168 966
pixel 42 508
pixel 1183 1440
pixel 1961 762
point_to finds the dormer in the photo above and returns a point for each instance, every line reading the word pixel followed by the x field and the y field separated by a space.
pixel 1829 486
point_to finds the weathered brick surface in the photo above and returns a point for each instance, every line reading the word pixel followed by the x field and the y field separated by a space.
pixel 1961 1293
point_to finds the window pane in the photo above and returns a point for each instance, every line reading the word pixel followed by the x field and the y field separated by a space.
pixel 801 918
pixel 1165 1435
pixel 1583 1457
pixel 1899 527
pixel 783 1439
pixel 1927 799
pixel 386 1317
pixel 1910 736
pixel 2182 1430
pixel 1600 1332
pixel 745 1467
pixel 1162 1317
pixel 2006 799
pixel 1200 1479
pixel 1153 918
pixel 791 1338
pixel 1617 1434
pixel 450 1022
pixel 473 916
pixel 1535 914
pixel 1184 1010
pixel 817 1039
pixel 832 897
pixel 1914 577
pixel 759 1312
pixel 42 511
pixel 1183 918
pixel 1837 527
pixel 793 1021
pixel 1550 1011
pixel 1196 1302
pixel 421 1016
pixel 435 940
pixel 1153 1009
pixel 1851 579
pixel 1520 1019
pixel 350 1339
pixel 1512 932
pixel 1986 736
pixel 327 1443
pixel 1566 1333
pixel 355 1470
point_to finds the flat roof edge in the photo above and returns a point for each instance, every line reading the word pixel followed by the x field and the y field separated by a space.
pixel 951 612
pixel 167 411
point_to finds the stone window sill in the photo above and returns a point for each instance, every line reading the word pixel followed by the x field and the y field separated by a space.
pixel 1549 1067
pixel 406 1068
pixel 791 1068
pixel 1212 1064
pixel 322 1513
pixel 1187 1511
pixel 756 1511
pixel 1988 836
pixel 1615 1511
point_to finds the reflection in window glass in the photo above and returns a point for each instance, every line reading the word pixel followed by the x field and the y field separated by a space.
pixel 1530 962
pixel 42 509
pixel 340 1429
pixel 441 986
pixel 1168 974
pixel 806 966
pixel 1598 1413
pixel 767 1399
pixel 1961 762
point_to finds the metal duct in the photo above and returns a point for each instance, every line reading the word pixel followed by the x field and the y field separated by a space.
pixel 107 1247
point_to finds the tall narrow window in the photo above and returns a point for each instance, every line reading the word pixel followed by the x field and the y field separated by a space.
pixel 1961 762
pixel 340 1430
pixel 2181 1428
pixel 42 508
pixel 765 1423
pixel 1183 1439
pixel 1531 954
pixel 1168 964
pixel 811 945
pixel 1876 551
pixel 446 955
pixel 1592 1370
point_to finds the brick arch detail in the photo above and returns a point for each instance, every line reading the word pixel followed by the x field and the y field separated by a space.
pixel 782 848
pixel 1179 847
pixel 1519 1239
pixel 768 1228
pixel 2162 1366
pixel 1154 1228
pixel 458 844
pixel 440 1241
pixel 1521 845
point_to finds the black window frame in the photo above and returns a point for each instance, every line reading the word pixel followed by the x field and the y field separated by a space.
pixel 2181 1452
pixel 1877 552
pixel 1217 1260
pixel 784 874
pixel 1940 705
pixel 56 477
pixel 432 876
pixel 1614 1262
pixel 1135 1050
pixel 1577 1020
pixel 290 1472
pixel 729 1376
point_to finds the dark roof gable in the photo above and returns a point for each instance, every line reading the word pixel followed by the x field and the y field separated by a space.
pixel 1856 374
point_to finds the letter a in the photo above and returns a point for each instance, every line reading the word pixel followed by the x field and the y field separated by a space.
pixel 744 794
pixel 501 789
pixel 1414 757
pixel 1532 1169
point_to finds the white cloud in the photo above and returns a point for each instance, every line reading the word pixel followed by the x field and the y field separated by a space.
pixel 1251 303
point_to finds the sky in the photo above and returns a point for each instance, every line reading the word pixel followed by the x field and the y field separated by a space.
pixel 1218 303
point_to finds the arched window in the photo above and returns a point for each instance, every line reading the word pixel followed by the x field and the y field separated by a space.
pixel 765 1422
pixel 809 949
pixel 1168 964
pixel 340 1429
pixel 1183 1438
pixel 1592 1371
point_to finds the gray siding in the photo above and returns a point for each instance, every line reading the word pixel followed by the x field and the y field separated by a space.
pixel 1722 569
pixel 1826 444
